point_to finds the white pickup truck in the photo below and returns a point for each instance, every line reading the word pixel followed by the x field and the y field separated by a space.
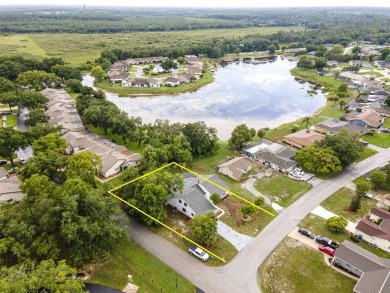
pixel 199 253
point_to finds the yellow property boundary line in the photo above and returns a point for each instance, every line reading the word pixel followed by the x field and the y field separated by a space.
pixel 166 226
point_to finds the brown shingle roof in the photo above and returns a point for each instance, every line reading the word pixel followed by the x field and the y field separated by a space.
pixel 304 137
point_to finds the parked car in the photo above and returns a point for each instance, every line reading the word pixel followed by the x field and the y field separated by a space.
pixel 22 161
pixel 368 195
pixel 326 249
pixel 2 162
pixel 199 253
pixel 305 232
pixel 6 113
pixel 386 130
pixel 13 170
pixel 327 242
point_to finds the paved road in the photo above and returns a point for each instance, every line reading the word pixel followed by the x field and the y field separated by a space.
pixel 240 275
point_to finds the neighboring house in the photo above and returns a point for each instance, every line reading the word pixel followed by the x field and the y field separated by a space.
pixel 333 126
pixel 145 60
pixel 383 64
pixel 194 70
pixel 349 76
pixel 236 168
pixel 4 175
pixel 303 138
pixel 195 197
pixel 140 82
pixel 368 119
pixel 273 155
pixel 193 60
pixel 361 63
pixel 332 64
pixel 117 76
pixel 172 81
pixel 375 228
pixel 325 73
pixel 9 189
pixel 120 66
pixel 372 270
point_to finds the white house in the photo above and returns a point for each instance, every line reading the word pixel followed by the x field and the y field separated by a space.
pixel 195 197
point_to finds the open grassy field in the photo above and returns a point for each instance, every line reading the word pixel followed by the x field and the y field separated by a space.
pixel 318 226
pixel 379 139
pixel 79 48
pixel 150 274
pixel 294 267
pixel 281 189
pixel 386 123
pixel 341 199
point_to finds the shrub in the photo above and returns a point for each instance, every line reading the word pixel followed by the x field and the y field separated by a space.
pixel 336 224
pixel 259 201
pixel 247 210
pixel 354 238
pixel 215 198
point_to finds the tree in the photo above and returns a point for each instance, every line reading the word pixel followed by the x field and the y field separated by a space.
pixel 337 224
pixel 318 160
pixel 240 135
pixel 9 98
pixel 36 116
pixel 378 178
pixel 320 63
pixel 31 100
pixel 387 101
pixel 6 85
pixel 204 228
pixel 10 141
pixel 98 73
pixel 343 88
pixel 259 201
pixel 181 60
pixel 215 198
pixel 345 147
pixel 52 141
pixel 168 64
pixel 338 49
pixel 38 80
pixel 84 165
pixel 66 72
pixel 261 133
pixel 362 188
pixel 307 121
pixel 342 104
pixel 202 139
pixel 305 62
pixel 101 115
pixel 355 203
pixel 247 210
pixel 271 49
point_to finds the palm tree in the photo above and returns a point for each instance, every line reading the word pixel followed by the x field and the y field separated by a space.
pixel 307 121
pixel 342 104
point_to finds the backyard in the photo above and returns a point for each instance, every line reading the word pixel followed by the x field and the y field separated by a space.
pixel 280 189
pixel 294 267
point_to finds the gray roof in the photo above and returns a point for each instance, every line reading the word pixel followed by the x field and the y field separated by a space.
pixel 197 201
pixel 275 159
pixel 376 270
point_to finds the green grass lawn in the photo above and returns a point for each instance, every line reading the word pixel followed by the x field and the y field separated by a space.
pixel 341 199
pixel 148 272
pixel 377 74
pixel 379 139
pixel 366 153
pixel 281 189
pixel 11 120
pixel 294 267
pixel 318 226
pixel 386 123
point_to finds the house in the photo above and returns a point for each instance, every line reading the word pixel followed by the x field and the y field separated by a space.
pixel 193 60
pixel 372 270
pixel 9 189
pixel 194 70
pixel 368 119
pixel 4 175
pixel 117 76
pixel 172 81
pixel 325 73
pixel 361 63
pixel 333 126
pixel 195 197
pixel 349 76
pixel 303 138
pixel 119 66
pixel 140 82
pixel 273 155
pixel 236 168
pixel 154 82
pixel 332 64
pixel 145 60
pixel 383 64
pixel 375 228
pixel 185 78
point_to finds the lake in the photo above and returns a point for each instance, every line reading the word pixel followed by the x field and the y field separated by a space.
pixel 259 95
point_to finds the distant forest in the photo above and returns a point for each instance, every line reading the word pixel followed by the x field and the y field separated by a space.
pixel 324 24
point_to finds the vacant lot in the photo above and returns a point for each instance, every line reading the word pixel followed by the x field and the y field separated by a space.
pixel 379 139
pixel 338 201
pixel 296 268
pixel 281 189
pixel 79 48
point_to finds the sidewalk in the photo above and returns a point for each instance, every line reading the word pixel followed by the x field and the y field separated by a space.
pixel 325 214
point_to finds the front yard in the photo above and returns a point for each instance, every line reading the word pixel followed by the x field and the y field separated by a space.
pixel 280 189
pixel 379 139
pixel 341 199
pixel 294 267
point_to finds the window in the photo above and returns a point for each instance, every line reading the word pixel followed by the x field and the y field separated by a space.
pixel 185 204
pixel 184 210
pixel 192 214
pixel 180 201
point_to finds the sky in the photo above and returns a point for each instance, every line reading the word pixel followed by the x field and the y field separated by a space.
pixel 204 3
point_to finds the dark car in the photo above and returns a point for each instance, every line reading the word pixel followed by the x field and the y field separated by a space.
pixel 305 232
pixel 2 162
pixel 327 242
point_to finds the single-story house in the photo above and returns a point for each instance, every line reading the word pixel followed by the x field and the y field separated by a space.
pixel 120 66
pixel 117 75
pixel 332 64
pixel 195 197
pixel 145 60
pixel 140 82
pixel 349 76
pixel 368 119
pixel 172 81
pixel 4 175
pixel 383 64
pixel 194 70
pixel 273 155
pixel 372 270
pixel 333 126
pixel 361 63
pixel 303 138
pixel 9 189
pixel 236 168
pixel 325 73
pixel 375 228
pixel 194 60
pixel 116 161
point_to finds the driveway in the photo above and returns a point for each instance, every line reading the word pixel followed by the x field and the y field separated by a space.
pixel 325 214
pixel 21 117
pixel 375 148
pixel 238 240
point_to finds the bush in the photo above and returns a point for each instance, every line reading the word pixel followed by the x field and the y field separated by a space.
pixel 336 224
pixel 215 198
pixel 259 201
pixel 378 178
pixel 354 238
pixel 247 210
